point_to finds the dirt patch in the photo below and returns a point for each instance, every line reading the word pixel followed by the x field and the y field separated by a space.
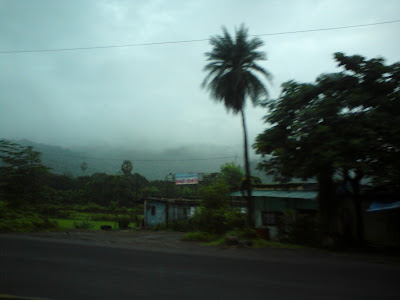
pixel 124 237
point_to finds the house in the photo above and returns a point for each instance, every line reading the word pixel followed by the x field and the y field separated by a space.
pixel 382 223
pixel 164 210
pixel 271 201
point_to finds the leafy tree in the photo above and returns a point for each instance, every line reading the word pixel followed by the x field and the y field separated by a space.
pixel 151 191
pixel 345 123
pixel 139 182
pixel 214 196
pixel 232 68
pixel 233 175
pixel 188 191
pixel 59 182
pixel 20 174
pixel 126 167
pixel 103 189
pixel 166 188
pixel 84 167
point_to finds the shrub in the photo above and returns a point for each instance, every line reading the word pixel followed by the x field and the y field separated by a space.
pixel 45 224
pixel 123 222
pixel 200 236
pixel 92 207
pixel 157 227
pixel 218 221
pixel 182 225
pixel 26 221
pixel 102 217
pixel 83 224
pixel 234 219
pixel 56 211
pixel 299 229
pixel 248 234
pixel 214 196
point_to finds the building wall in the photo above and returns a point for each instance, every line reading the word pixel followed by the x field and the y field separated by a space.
pixel 262 204
pixel 181 212
pixel 160 213
pixel 280 204
pixel 175 212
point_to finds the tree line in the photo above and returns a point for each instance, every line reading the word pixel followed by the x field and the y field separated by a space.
pixel 340 130
pixel 26 182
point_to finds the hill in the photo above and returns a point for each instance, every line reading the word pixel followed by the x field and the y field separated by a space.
pixel 152 164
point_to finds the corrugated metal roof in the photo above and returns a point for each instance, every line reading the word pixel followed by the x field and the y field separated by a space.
pixel 375 206
pixel 312 195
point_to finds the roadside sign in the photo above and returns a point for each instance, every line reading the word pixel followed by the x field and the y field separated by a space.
pixel 186 178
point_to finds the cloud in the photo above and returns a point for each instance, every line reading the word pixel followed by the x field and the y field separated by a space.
pixel 150 96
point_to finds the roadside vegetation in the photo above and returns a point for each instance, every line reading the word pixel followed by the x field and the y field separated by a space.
pixel 34 199
pixel 340 130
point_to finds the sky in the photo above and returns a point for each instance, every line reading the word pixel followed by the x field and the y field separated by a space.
pixel 149 97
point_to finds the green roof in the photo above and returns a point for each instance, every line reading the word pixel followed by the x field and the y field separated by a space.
pixel 312 195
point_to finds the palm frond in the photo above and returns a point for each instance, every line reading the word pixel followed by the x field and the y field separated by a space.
pixel 232 68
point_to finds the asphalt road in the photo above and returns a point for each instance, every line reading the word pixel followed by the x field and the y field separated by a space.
pixel 54 269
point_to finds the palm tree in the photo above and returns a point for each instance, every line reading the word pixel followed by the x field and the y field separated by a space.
pixel 232 65
pixel 84 167
pixel 126 167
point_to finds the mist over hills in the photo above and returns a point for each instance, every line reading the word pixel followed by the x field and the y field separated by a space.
pixel 153 164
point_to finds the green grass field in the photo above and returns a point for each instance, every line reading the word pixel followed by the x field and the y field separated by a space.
pixel 69 224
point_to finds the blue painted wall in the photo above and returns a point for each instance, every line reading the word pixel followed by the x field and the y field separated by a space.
pixel 175 212
pixel 160 213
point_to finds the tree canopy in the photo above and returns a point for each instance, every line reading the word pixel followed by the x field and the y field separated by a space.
pixel 233 175
pixel 84 167
pixel 232 68
pixel 348 120
pixel 20 174
pixel 346 123
pixel 126 167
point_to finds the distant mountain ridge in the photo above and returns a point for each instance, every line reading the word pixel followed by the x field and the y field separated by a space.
pixel 152 164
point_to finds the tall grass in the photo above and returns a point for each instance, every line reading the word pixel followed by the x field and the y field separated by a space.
pixel 69 224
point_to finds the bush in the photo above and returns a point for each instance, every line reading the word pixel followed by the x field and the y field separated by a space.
pixel 200 236
pixel 102 217
pixel 123 222
pixel 218 221
pixel 26 221
pixel 182 225
pixel 158 227
pixel 298 229
pixel 214 196
pixel 247 234
pixel 92 207
pixel 234 219
pixel 56 211
pixel 83 224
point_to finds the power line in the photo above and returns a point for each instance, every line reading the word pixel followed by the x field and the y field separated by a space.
pixel 328 28
pixel 192 41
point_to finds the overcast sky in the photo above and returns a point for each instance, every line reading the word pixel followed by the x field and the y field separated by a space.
pixel 150 96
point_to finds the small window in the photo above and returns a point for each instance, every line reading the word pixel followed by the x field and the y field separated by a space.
pixel 153 210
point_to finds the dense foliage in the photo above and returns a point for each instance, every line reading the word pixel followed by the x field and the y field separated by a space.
pixel 345 124
pixel 20 174
pixel 28 186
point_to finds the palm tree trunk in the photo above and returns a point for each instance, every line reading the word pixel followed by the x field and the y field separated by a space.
pixel 248 175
